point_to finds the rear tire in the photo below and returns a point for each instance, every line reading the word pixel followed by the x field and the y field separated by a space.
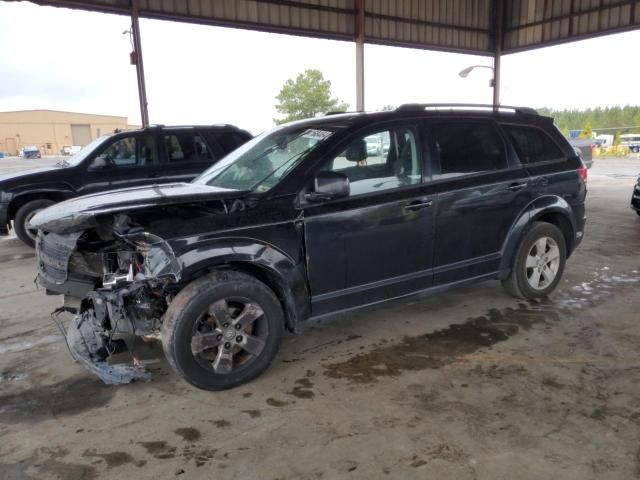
pixel 201 337
pixel 538 264
pixel 23 215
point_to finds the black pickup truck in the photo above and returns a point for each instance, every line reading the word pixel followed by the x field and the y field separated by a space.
pixel 132 158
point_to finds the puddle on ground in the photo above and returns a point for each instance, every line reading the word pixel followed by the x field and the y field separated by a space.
pixel 68 397
pixel 442 347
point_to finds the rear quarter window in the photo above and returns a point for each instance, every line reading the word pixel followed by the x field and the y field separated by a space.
pixel 532 144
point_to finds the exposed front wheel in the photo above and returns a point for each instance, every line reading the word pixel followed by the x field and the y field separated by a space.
pixel 222 330
pixel 538 264
pixel 24 214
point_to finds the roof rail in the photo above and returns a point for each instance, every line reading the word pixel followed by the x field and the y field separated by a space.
pixel 413 107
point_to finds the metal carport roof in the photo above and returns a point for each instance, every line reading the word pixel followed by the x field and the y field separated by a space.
pixel 481 27
pixel 465 26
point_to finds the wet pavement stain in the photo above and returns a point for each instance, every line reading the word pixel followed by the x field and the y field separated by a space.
pixel 162 451
pixel 48 462
pixel 49 401
pixel 302 388
pixel 434 350
pixel 114 459
pixel 159 449
pixel 276 403
pixel 448 345
pixel 221 423
pixel 253 413
pixel 188 434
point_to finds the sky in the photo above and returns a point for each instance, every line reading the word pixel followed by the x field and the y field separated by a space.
pixel 61 59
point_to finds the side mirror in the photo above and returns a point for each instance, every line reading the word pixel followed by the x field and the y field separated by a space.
pixel 329 186
pixel 99 163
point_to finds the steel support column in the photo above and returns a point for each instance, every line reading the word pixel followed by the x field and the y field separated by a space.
pixel 137 56
pixel 497 50
pixel 360 55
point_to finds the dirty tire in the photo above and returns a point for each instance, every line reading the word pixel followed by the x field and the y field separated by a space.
pixel 189 306
pixel 24 213
pixel 516 284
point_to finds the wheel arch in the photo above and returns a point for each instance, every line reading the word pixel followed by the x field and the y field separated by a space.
pixel 551 209
pixel 274 268
pixel 22 198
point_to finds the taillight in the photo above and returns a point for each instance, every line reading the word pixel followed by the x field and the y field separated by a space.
pixel 583 172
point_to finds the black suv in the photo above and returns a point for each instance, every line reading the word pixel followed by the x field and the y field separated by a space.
pixel 309 221
pixel 153 155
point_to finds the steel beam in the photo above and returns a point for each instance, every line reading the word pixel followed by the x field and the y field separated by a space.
pixel 497 50
pixel 360 55
pixel 137 55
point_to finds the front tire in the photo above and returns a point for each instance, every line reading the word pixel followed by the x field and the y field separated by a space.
pixel 222 330
pixel 538 264
pixel 23 215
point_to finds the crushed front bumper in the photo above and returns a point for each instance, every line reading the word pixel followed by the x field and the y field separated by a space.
pixel 85 345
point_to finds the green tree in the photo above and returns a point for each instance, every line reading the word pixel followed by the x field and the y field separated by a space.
pixel 616 138
pixel 306 96
pixel 587 131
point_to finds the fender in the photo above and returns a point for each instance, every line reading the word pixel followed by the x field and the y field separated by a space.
pixel 279 270
pixel 63 192
pixel 529 214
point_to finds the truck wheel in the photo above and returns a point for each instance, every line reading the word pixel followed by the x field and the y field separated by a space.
pixel 26 213
pixel 538 264
pixel 222 330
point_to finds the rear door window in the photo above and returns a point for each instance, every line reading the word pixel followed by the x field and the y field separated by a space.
pixel 532 144
pixel 187 147
pixel 465 148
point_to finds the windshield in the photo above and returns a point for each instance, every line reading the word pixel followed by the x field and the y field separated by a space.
pixel 260 164
pixel 84 153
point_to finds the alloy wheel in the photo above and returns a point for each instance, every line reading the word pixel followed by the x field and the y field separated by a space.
pixel 230 335
pixel 543 262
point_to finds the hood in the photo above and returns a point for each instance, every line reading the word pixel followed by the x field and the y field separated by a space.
pixel 79 213
pixel 25 176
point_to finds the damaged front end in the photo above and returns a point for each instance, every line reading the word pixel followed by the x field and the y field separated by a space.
pixel 118 281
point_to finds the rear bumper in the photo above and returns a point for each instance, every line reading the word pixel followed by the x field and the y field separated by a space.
pixel 4 214
pixel 581 221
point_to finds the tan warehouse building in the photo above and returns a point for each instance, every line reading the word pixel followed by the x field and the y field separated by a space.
pixel 50 130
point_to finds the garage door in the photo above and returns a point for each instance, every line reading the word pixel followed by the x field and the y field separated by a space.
pixel 81 134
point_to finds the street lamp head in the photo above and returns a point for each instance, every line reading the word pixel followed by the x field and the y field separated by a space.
pixel 463 73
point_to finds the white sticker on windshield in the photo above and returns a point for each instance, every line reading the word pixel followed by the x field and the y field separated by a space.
pixel 316 134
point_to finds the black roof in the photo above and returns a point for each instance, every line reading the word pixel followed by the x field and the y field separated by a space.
pixel 426 110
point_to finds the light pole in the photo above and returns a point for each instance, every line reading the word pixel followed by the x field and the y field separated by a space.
pixel 492 83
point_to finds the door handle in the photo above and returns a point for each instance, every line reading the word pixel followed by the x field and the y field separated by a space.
pixel 515 187
pixel 418 205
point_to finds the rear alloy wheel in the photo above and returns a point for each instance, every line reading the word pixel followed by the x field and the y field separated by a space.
pixel 24 215
pixel 539 262
pixel 222 330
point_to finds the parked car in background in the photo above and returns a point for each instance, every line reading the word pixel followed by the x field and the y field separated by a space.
pixel 584 149
pixel 631 140
pixel 297 226
pixel 152 155
pixel 30 151
pixel 635 197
